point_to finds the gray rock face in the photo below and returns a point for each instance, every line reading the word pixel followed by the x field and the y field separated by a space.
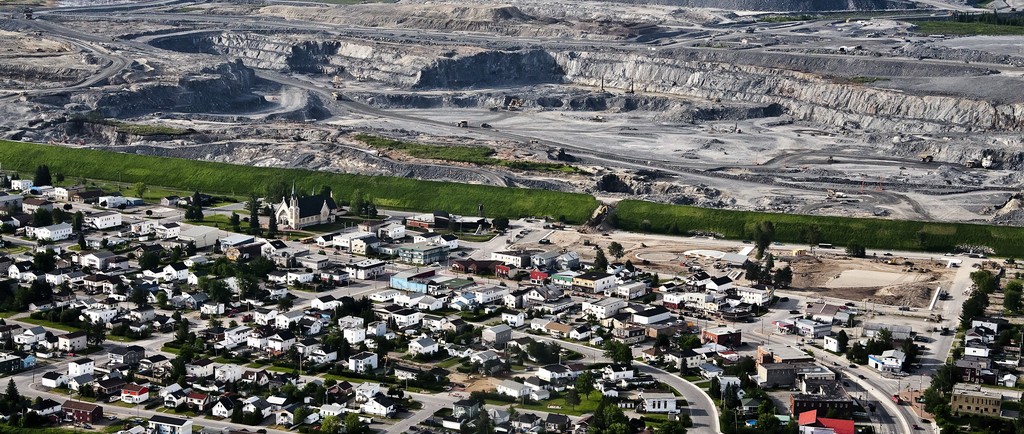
pixel 226 87
pixel 492 68
pixel 762 79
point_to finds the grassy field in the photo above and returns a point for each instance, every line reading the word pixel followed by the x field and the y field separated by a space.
pixel 587 405
pixel 890 234
pixel 236 180
pixel 50 324
pixel 957 28
pixel 217 221
pixel 480 155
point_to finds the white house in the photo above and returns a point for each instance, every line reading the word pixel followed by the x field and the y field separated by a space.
pixel 423 346
pixel 325 302
pixel 176 271
pixel 888 361
pixel 367 269
pixel 57 232
pixel 355 335
pixel 99 315
pixel 285 320
pixel 265 316
pixel 224 407
pixel 167 230
pixel 393 231
pixel 54 379
pixel 755 296
pixel 652 315
pixel 72 342
pixel 280 341
pixel 363 362
pixel 513 319
pixel 83 366
pixel 378 405
pixel 657 402
pixel 229 373
pixel 103 220
pixel 553 372
pixel 513 389
pixel 21 184
pixel 831 344
pixel 603 308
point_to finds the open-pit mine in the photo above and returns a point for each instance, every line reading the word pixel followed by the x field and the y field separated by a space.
pixel 850 110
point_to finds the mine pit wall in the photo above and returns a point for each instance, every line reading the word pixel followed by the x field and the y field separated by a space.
pixel 225 88
pixel 491 68
pixel 805 96
pixel 705 74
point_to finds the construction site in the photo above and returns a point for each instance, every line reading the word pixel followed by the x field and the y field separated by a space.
pixel 669 101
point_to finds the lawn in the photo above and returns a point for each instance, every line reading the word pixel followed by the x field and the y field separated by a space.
pixel 558 405
pixel 114 427
pixel 448 363
pixel 215 220
pixel 958 28
pixel 841 231
pixel 344 378
pixel 239 180
pixel 14 250
pixel 7 314
pixel 50 324
pixel 171 350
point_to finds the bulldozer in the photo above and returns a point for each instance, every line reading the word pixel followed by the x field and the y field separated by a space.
pixel 927 158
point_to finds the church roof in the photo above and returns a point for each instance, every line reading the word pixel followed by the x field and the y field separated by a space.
pixel 311 205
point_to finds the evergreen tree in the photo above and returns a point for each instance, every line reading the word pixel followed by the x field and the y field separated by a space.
pixel 784 277
pixel 81 241
pixel 42 176
pixel 42 217
pixel 572 397
pixel 12 396
pixel 842 341
pixel 272 226
pixel 764 234
pixel 254 215
pixel 236 222
pixel 236 413
pixel 78 221
pixel 600 261
pixel 358 203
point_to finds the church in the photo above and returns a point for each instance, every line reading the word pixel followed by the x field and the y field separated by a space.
pixel 299 212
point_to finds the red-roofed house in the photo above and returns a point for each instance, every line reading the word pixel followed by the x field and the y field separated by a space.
pixel 810 419
pixel 134 394
pixel 197 401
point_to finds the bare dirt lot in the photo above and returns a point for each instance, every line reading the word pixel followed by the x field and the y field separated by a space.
pixel 869 279
pixel 486 384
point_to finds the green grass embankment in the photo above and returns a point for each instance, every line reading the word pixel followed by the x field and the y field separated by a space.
pixel 842 231
pixel 237 180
